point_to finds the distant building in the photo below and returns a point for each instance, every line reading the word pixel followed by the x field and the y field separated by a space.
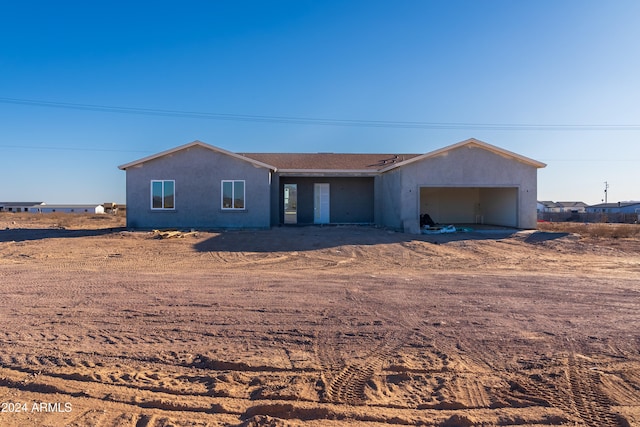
pixel 94 209
pixel 42 207
pixel 573 207
pixel 548 206
pixel 629 207
pixel 20 206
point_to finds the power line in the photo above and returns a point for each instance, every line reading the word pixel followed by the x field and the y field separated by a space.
pixel 316 121
pixel 33 147
pixel 113 150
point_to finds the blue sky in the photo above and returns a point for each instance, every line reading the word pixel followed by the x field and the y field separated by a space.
pixel 556 81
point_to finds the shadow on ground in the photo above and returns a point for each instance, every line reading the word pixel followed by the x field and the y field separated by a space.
pixel 25 234
pixel 286 239
pixel 544 236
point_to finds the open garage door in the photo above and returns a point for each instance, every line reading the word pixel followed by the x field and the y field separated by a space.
pixel 471 205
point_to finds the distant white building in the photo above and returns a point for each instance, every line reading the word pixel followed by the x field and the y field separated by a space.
pixel 579 207
pixel 94 209
pixel 548 206
pixel 20 206
pixel 41 207
pixel 573 207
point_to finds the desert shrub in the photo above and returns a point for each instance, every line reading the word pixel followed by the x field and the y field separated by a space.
pixel 615 231
pixel 625 230
pixel 59 218
pixel 98 217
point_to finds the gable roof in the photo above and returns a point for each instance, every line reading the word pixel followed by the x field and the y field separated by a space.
pixel 471 142
pixel 335 162
pixel 194 144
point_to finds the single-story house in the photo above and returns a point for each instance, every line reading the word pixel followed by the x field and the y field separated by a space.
pixel 573 207
pixel 630 207
pixel 549 206
pixel 94 209
pixel 198 185
pixel 19 206
pixel 42 207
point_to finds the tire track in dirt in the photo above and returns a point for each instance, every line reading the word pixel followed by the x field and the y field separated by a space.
pixel 471 393
pixel 155 379
pixel 92 337
pixel 463 377
pixel 590 403
pixel 345 380
pixel 348 385
pixel 124 406
pixel 574 387
pixel 531 389
pixel 445 378
pixel 88 387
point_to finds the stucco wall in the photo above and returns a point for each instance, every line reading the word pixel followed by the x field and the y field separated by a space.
pixel 466 166
pixel 198 173
pixel 388 206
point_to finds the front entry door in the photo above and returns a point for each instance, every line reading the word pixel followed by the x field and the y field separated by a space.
pixel 291 203
pixel 321 203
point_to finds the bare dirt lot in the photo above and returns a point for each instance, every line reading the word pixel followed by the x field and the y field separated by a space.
pixel 312 326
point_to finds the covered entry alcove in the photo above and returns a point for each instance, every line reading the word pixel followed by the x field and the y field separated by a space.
pixel 326 200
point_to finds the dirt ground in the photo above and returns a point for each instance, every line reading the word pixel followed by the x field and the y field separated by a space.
pixel 315 326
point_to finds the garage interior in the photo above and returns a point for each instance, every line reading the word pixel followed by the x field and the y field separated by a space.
pixel 471 205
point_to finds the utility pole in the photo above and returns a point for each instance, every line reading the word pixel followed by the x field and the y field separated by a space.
pixel 606 186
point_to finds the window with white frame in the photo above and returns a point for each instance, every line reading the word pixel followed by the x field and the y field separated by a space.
pixel 233 194
pixel 163 194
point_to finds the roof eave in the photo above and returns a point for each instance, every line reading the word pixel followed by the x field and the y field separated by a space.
pixel 327 172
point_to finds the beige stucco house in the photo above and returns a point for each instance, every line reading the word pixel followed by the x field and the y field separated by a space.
pixel 203 186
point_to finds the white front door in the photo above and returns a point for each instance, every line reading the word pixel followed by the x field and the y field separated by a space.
pixel 321 203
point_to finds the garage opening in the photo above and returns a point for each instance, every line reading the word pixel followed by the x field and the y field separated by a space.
pixel 471 205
